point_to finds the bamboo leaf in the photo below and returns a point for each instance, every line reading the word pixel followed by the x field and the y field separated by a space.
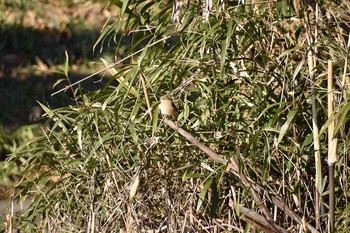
pixel 226 44
pixel 66 64
pixel 285 126
pixel 155 120
pixel 343 118
pixel 79 132
pixel 135 111
pixel 120 78
pixel 133 133
pixel 186 111
pixel 203 193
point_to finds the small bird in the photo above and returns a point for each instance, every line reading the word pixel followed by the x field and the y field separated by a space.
pixel 167 107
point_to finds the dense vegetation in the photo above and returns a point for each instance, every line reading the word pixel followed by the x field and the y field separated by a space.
pixel 250 81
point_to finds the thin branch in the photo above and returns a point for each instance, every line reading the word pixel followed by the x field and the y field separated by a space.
pixel 108 67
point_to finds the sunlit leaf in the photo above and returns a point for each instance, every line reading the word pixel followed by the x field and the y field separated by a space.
pixel 203 193
pixel 285 126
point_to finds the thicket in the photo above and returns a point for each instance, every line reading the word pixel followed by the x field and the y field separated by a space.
pixel 250 82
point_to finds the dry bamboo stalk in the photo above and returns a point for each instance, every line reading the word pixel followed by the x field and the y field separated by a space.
pixel 332 147
pixel 332 139
pixel 315 131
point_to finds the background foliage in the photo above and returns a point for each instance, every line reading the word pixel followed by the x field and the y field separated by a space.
pixel 240 76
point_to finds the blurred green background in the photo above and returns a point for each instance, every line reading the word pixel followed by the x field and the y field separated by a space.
pixel 34 36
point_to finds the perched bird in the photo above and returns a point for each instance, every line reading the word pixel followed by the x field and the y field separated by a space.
pixel 167 107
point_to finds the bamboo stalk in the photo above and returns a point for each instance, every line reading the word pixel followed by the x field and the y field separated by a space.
pixel 312 38
pixel 332 140
pixel 315 131
pixel 332 148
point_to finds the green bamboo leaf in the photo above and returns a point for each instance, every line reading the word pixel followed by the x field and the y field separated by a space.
pixel 133 133
pixel 135 111
pixel 124 7
pixel 340 115
pixel 146 7
pixel 143 54
pixel 343 118
pixel 308 140
pixel 66 64
pixel 125 82
pixel 138 42
pixel 223 54
pixel 334 116
pixel 51 114
pixel 193 175
pixel 186 111
pixel 106 30
pixel 226 44
pixel 46 109
pixel 119 77
pixel 298 68
pixel 286 52
pixel 58 82
pixel 196 123
pixel 266 109
pixel 346 95
pixel 253 144
pixel 285 126
pixel 201 195
pixel 76 162
pixel 155 119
